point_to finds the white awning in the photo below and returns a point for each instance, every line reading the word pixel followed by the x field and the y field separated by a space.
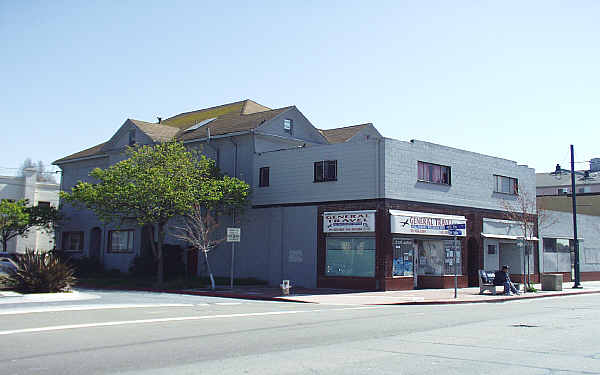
pixel 425 214
pixel 507 237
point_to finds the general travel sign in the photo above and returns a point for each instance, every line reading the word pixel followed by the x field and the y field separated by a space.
pixel 406 222
pixel 349 221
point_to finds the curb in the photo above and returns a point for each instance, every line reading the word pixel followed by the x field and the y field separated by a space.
pixel 496 300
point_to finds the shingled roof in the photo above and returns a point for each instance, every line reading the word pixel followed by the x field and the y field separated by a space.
pixel 92 151
pixel 224 119
pixel 341 135
pixel 231 123
pixel 156 132
pixel 187 119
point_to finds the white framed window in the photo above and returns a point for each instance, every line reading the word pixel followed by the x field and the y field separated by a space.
pixel 506 185
pixel 433 173
pixel 288 125
pixel 72 241
pixel 120 241
pixel 325 170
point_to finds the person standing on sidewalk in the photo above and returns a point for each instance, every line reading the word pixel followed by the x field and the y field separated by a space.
pixel 501 278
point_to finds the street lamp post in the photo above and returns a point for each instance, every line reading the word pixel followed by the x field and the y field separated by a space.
pixel 575 239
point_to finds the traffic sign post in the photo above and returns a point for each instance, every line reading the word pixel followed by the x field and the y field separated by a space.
pixel 233 235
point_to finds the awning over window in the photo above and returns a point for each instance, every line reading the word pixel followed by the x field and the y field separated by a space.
pixel 410 222
pixel 507 237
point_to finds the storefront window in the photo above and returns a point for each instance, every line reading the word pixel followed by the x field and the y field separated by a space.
pixel 436 257
pixel 350 256
pixel 403 257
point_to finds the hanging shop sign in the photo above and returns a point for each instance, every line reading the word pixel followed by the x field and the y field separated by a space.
pixel 349 221
pixel 408 222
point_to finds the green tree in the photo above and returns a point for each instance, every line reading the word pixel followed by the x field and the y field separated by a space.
pixel 16 219
pixel 155 184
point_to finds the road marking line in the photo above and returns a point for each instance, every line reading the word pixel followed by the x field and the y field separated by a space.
pixel 178 319
pixel 88 307
pixel 228 303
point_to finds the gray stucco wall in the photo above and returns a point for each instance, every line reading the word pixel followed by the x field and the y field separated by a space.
pixel 292 174
pixel 560 225
pixel 277 243
pixel 472 175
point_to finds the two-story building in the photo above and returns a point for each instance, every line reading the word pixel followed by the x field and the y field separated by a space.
pixel 37 193
pixel 343 207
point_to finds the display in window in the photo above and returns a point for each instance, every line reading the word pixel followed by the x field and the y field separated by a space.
pixel 403 257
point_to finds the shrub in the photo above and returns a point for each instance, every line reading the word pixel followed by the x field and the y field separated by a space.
pixel 146 265
pixel 83 266
pixel 39 272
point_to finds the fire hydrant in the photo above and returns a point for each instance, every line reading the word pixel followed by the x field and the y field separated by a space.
pixel 285 287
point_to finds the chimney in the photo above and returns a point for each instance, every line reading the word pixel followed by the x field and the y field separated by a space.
pixel 159 119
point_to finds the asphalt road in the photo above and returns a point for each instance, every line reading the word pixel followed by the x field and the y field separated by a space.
pixel 145 333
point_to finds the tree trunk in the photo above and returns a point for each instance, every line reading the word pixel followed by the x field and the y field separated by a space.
pixel 210 274
pixel 4 244
pixel 161 272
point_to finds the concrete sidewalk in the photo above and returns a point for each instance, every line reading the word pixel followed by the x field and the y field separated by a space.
pixel 329 296
pixel 404 297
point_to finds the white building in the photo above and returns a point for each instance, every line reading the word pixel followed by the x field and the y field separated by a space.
pixel 37 193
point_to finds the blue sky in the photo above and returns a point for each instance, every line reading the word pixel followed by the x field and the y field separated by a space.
pixel 517 80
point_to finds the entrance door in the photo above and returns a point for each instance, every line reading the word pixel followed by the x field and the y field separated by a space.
pixel 95 242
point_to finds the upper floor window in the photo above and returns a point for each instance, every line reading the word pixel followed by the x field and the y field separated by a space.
pixel 263 179
pixel 585 189
pixel 288 125
pixel 72 241
pixel 131 137
pixel 563 191
pixel 325 170
pixel 434 173
pixel 506 185
pixel 120 241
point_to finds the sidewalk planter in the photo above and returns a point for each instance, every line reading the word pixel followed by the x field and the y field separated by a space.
pixel 552 281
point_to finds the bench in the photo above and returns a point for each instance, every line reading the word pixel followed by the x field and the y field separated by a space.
pixel 486 281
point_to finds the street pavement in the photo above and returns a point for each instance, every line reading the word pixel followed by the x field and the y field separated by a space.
pixel 113 332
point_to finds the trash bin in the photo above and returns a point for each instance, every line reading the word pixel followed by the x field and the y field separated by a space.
pixel 552 281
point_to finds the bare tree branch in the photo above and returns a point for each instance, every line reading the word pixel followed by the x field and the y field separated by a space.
pixel 198 230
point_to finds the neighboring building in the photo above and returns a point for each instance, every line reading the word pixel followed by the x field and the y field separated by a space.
pixel 556 248
pixel 37 193
pixel 342 207
pixel 559 181
pixel 557 245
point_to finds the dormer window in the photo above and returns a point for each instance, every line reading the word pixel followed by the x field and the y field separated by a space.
pixel 288 125
pixel 131 137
